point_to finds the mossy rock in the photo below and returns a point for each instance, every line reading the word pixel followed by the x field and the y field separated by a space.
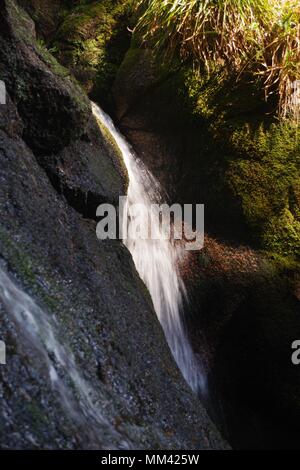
pixel 42 90
pixel 46 14
pixel 92 41
pixel 223 139
pixel 262 157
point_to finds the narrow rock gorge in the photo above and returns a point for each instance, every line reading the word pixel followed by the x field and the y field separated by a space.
pixel 56 168
pixel 108 346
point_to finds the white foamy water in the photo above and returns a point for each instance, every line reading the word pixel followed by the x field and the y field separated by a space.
pixel 76 395
pixel 156 259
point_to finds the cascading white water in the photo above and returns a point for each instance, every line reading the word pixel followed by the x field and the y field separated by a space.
pixel 40 330
pixel 156 259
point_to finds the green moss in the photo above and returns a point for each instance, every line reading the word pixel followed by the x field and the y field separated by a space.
pixel 36 413
pixel 23 28
pixel 54 65
pixel 274 265
pixel 19 261
pixel 132 57
pixel 78 94
pixel 110 140
pixel 248 162
pixel 282 234
pixel 245 153
pixel 22 23
pixel 27 269
pixel 265 178
pixel 92 41
pixel 111 143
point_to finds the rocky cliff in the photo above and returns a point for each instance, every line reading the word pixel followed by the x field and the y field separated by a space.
pixel 56 167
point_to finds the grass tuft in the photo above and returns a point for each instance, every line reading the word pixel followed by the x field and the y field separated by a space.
pixel 257 36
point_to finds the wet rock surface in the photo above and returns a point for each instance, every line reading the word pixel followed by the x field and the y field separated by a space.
pixel 89 288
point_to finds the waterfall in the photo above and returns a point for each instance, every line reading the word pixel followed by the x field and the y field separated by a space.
pixel 156 259
pixel 77 397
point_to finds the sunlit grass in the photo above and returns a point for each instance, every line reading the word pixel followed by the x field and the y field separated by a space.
pixel 257 36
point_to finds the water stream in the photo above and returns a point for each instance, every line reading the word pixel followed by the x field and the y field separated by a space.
pixel 156 259
pixel 77 397
pixel 157 262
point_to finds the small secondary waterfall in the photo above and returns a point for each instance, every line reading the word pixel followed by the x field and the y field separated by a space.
pixel 77 397
pixel 156 259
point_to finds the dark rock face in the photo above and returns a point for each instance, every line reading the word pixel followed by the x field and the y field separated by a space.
pixel 244 317
pixel 55 114
pixel 86 179
pixel 50 151
pixel 46 14
pixel 30 72
pixel 177 149
pixel 244 312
